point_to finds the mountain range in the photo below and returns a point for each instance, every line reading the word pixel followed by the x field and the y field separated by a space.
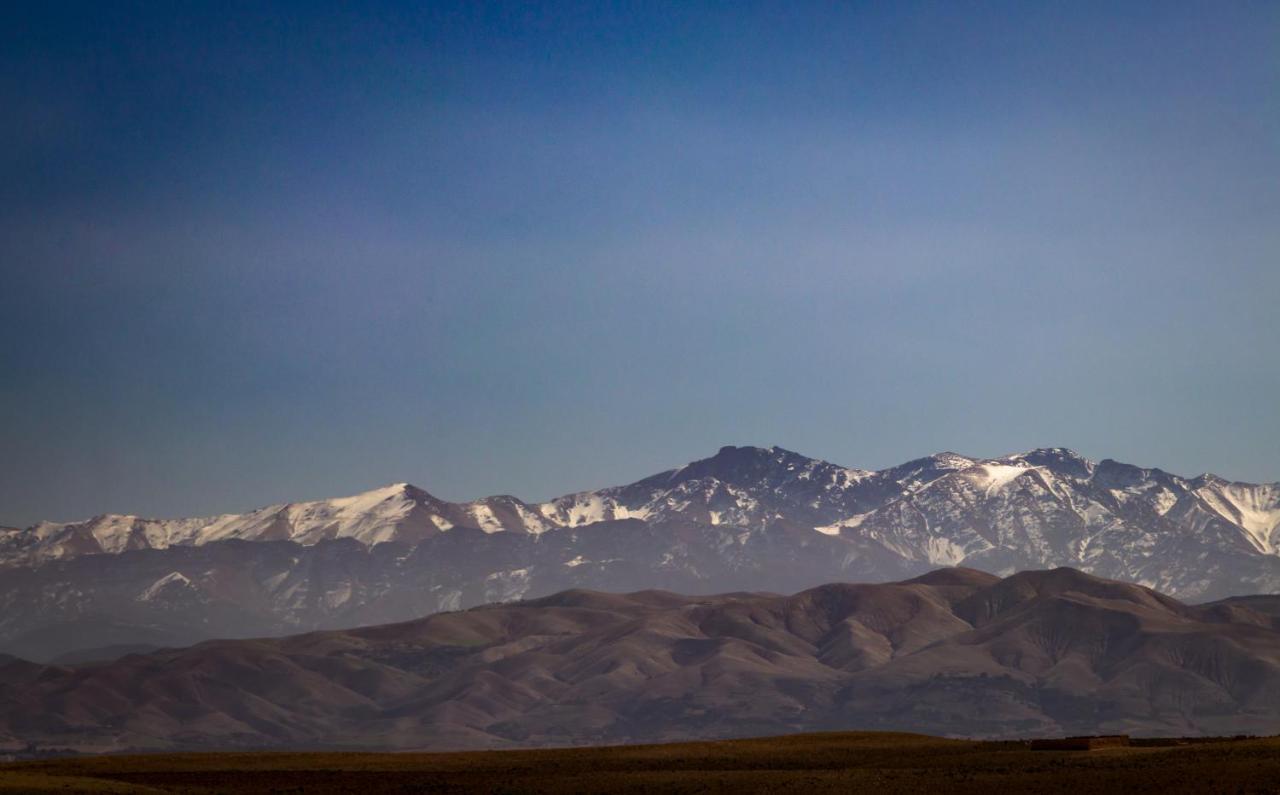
pixel 746 518
pixel 956 651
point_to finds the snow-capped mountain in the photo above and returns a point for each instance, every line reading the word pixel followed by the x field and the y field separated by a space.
pixel 747 517
pixel 399 512
pixel 747 487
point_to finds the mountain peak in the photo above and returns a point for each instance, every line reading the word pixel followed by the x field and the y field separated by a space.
pixel 391 491
pixel 1053 452
pixel 948 459
pixel 1059 459
pixel 748 464
pixel 1018 590
pixel 748 450
pixel 920 471
pixel 402 490
pixel 733 457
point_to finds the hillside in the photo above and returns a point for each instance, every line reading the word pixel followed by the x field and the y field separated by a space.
pixel 954 652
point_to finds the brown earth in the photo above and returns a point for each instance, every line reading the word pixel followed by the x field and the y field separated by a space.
pixel 955 652
pixel 882 763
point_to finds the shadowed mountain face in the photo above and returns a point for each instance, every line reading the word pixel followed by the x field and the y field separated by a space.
pixel 955 651
pixel 745 518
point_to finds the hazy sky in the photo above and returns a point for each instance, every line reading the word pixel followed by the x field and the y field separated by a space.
pixel 251 253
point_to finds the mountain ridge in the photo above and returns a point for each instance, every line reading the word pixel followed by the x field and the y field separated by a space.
pixel 954 651
pixel 393 506
pixel 746 518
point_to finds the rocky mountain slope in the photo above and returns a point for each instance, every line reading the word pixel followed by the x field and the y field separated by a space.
pixel 744 518
pixel 956 651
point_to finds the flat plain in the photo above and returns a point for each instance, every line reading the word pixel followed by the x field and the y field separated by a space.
pixel 882 763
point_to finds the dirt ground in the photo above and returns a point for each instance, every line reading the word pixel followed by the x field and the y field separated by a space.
pixel 806 764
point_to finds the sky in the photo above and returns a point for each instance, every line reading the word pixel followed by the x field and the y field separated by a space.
pixel 260 252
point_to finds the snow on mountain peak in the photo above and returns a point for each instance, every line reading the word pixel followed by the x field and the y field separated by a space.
pixel 1048 503
pixel 1060 460
pixel 1254 507
pixel 995 476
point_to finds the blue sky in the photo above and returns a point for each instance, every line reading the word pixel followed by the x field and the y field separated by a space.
pixel 269 251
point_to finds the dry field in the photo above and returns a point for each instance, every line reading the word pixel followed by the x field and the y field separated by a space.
pixel 837 762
